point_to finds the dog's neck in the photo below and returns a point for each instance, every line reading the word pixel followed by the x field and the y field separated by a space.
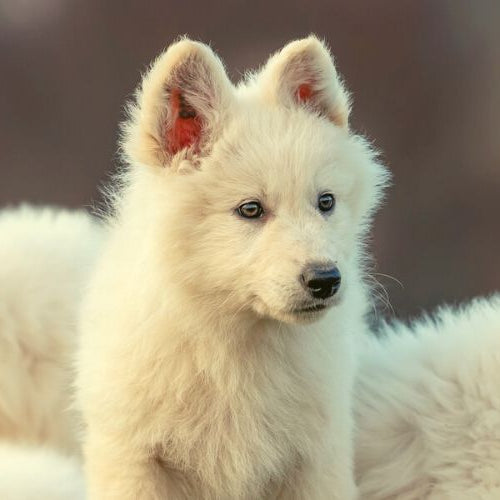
pixel 207 325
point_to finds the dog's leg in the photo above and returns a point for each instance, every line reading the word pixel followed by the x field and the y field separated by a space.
pixel 113 474
pixel 126 481
pixel 327 475
pixel 325 482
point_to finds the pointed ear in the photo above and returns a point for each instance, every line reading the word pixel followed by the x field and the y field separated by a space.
pixel 179 105
pixel 303 73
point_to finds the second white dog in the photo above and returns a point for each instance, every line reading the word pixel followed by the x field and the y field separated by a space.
pixel 428 408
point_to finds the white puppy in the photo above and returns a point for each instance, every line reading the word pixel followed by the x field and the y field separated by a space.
pixel 217 351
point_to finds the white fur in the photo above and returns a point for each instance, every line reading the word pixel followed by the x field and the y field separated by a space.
pixel 45 256
pixel 39 474
pixel 428 408
pixel 195 379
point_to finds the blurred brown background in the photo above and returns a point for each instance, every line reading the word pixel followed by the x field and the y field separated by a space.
pixel 425 77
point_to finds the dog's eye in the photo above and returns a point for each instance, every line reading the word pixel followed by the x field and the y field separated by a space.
pixel 250 210
pixel 326 202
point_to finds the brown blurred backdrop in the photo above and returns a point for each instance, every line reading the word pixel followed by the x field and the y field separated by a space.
pixel 425 77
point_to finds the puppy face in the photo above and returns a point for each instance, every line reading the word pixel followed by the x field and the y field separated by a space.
pixel 268 192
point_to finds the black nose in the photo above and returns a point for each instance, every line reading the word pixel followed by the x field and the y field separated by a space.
pixel 321 283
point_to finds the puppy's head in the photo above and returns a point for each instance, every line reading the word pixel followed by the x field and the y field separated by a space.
pixel 260 193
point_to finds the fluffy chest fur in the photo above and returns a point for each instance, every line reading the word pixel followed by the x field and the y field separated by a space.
pixel 229 409
pixel 237 417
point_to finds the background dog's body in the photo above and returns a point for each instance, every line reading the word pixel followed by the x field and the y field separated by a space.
pixel 34 473
pixel 45 259
pixel 428 407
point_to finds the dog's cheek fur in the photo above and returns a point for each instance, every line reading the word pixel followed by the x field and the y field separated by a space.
pixel 198 246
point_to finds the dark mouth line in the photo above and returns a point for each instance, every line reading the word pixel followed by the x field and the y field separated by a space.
pixel 317 307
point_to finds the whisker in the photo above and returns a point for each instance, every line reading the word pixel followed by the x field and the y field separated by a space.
pixel 391 278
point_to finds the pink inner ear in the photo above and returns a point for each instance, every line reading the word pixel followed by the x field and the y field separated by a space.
pixel 186 125
pixel 304 92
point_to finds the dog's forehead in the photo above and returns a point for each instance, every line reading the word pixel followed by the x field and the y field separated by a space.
pixel 267 140
pixel 281 156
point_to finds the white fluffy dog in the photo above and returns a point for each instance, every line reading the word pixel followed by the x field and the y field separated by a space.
pixel 45 259
pixel 217 343
pixel 428 408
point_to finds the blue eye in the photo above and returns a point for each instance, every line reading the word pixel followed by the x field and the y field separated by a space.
pixel 326 202
pixel 250 210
